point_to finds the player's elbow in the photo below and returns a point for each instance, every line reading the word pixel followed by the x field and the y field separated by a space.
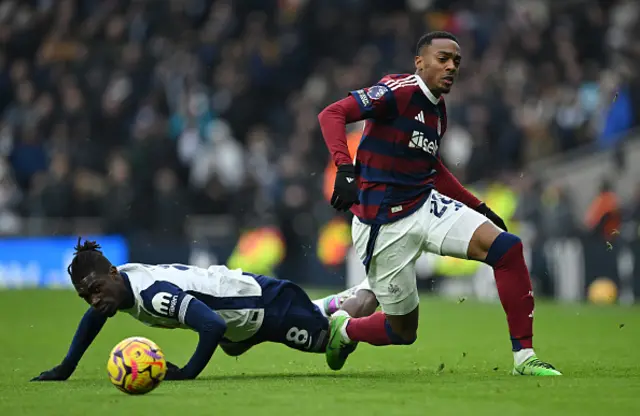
pixel 334 111
pixel 213 326
pixel 340 113
pixel 326 115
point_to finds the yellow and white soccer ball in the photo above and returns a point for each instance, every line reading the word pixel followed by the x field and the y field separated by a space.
pixel 136 365
pixel 602 291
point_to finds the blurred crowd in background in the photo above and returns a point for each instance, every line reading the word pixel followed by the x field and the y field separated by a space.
pixel 144 113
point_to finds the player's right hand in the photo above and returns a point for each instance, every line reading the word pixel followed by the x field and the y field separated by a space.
pixel 345 189
pixel 57 373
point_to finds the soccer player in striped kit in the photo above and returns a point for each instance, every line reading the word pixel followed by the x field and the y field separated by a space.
pixel 406 202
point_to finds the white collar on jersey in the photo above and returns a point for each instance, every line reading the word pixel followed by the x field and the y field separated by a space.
pixel 426 90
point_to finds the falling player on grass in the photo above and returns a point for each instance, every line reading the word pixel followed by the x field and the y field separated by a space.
pixel 406 202
pixel 230 308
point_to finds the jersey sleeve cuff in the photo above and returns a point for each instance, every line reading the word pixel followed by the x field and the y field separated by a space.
pixel 184 306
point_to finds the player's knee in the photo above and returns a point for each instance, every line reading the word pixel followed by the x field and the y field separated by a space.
pixel 402 330
pixel 404 336
pixel 512 238
pixel 504 243
pixel 407 338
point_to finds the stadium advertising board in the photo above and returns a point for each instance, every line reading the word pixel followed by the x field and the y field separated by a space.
pixel 42 262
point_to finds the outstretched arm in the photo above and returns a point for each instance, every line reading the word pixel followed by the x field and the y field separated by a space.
pixel 90 325
pixel 210 327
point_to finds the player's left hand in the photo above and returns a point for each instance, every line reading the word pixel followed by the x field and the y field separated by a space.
pixel 495 218
pixel 174 372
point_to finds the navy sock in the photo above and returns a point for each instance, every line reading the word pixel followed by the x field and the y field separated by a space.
pixel 500 246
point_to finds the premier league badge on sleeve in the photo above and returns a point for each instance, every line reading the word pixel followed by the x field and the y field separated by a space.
pixel 376 92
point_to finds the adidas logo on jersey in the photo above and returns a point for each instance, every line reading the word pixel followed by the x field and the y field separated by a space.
pixel 420 141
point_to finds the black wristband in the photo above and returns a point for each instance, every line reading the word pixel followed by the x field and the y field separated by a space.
pixel 347 169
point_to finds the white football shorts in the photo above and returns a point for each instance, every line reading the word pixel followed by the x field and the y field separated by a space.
pixel 442 226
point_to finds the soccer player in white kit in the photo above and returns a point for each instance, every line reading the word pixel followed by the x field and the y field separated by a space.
pixel 230 308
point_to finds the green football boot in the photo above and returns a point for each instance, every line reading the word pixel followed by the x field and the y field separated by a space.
pixel 532 366
pixel 338 348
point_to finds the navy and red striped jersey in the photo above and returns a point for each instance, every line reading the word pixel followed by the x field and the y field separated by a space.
pixel 398 152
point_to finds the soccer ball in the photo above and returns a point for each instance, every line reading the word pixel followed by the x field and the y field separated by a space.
pixel 602 291
pixel 136 365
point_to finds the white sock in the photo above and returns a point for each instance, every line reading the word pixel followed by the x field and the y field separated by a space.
pixel 343 330
pixel 523 355
pixel 320 304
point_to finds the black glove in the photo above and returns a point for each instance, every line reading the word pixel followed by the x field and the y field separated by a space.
pixel 58 373
pixel 495 218
pixel 345 189
pixel 173 372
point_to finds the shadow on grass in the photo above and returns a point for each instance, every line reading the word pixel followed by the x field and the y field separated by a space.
pixel 370 375
pixel 374 374
pixel 407 376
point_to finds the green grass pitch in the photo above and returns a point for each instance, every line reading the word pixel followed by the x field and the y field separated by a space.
pixel 459 365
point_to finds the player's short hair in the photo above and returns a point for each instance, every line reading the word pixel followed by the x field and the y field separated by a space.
pixel 87 259
pixel 426 39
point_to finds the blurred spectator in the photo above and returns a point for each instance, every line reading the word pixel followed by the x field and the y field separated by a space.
pixel 530 204
pixel 51 192
pixel 558 214
pixel 632 216
pixel 620 116
pixel 28 155
pixel 169 204
pixel 9 200
pixel 220 155
pixel 88 193
pixel 118 203
pixel 603 216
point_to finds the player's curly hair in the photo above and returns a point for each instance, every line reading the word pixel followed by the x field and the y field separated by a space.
pixel 87 259
pixel 426 39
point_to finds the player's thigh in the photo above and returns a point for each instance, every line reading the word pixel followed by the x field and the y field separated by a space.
pixel 300 324
pixel 450 226
pixel 354 290
pixel 362 286
pixel 362 303
pixel 390 252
